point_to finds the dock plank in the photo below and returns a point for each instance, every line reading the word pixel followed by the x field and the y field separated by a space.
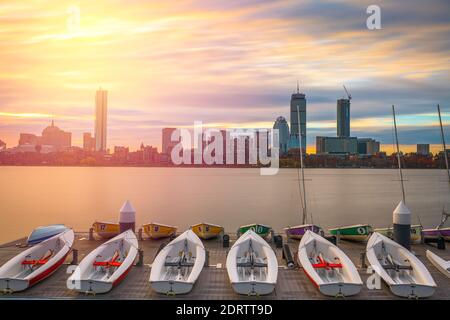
pixel 213 282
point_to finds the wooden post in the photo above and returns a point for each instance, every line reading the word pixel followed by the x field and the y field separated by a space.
pixel 140 262
pixel 362 258
pixel 91 234
pixel 74 257
pixel 206 258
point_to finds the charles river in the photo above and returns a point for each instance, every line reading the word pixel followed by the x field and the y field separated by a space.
pixel 34 196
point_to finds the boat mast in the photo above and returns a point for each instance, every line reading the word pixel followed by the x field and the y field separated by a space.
pixel 443 142
pixel 301 164
pixel 398 155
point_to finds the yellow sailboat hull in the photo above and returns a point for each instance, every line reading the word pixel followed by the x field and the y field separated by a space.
pixel 207 231
pixel 106 230
pixel 158 231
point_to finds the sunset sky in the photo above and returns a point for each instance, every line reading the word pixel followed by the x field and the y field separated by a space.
pixel 226 63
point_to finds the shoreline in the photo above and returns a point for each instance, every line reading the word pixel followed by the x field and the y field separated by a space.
pixel 205 167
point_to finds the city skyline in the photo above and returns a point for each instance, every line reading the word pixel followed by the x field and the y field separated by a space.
pixel 233 64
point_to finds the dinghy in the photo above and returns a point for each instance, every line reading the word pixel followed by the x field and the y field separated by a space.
pixel 440 230
pixel 252 265
pixel 359 232
pixel 178 265
pixel 328 267
pixel 45 232
pixel 442 265
pixel 107 265
pixel 436 233
pixel 158 230
pixel 207 230
pixel 106 230
pixel 402 271
pixel 297 232
pixel 260 229
pixel 35 263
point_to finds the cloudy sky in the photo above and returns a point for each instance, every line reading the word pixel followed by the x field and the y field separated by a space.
pixel 227 63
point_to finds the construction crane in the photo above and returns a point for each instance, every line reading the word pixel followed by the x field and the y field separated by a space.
pixel 348 94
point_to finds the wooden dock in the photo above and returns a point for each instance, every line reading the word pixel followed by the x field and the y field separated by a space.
pixel 213 282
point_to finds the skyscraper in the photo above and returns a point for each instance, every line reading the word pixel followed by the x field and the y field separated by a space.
pixel 167 143
pixel 88 142
pixel 423 149
pixel 298 99
pixel 283 129
pixel 343 118
pixel 101 103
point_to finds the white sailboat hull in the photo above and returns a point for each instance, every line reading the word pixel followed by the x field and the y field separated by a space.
pixel 167 276
pixel 338 277
pixel 175 287
pixel 16 276
pixel 340 289
pixel 253 288
pixel 245 279
pixel 97 279
pixel 94 286
pixel 442 265
pixel 412 291
pixel 415 282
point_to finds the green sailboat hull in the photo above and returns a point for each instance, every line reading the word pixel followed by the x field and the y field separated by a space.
pixel 355 233
pixel 259 229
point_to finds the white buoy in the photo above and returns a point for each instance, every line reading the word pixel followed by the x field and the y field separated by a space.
pixel 402 225
pixel 127 217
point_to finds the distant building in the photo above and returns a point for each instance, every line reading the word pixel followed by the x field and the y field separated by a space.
pixel 101 112
pixel 51 136
pixel 343 118
pixel 298 99
pixel 28 138
pixel 423 149
pixel 121 153
pixel 167 143
pixel 283 128
pixel 2 145
pixel 149 154
pixel 336 145
pixel 368 146
pixel 88 142
pixel 31 148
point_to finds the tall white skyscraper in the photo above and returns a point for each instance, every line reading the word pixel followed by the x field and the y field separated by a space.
pixel 298 100
pixel 101 105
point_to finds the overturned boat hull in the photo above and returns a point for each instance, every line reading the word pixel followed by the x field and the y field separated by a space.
pixel 158 230
pixel 106 230
pixel 297 232
pixel 360 232
pixel 207 231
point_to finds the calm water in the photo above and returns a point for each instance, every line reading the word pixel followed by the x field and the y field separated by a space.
pixel 33 196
